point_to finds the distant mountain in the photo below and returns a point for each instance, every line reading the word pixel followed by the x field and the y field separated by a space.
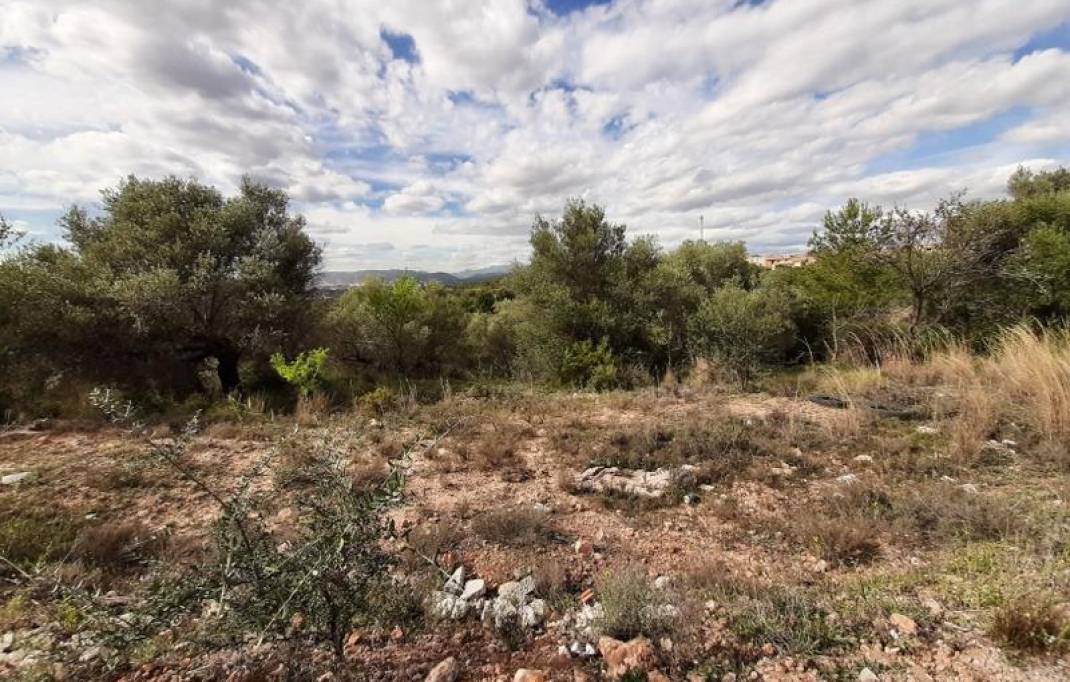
pixel 343 279
pixel 483 274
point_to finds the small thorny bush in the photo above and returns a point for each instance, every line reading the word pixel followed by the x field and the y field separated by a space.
pixel 319 584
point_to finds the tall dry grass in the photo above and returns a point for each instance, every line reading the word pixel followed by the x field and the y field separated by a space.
pixel 1032 370
pixel 1025 379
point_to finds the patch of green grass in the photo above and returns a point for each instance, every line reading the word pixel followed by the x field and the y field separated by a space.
pixel 29 536
pixel 14 611
pixel 864 597
pixel 795 621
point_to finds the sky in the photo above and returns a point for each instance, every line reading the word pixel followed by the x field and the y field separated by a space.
pixel 428 134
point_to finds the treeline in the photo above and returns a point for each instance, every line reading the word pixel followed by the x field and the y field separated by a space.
pixel 177 293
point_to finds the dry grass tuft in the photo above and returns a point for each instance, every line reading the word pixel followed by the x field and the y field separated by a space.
pixel 312 409
pixel 850 540
pixel 432 540
pixel 516 526
pixel 1032 623
pixel 631 606
pixel 1034 368
pixel 114 546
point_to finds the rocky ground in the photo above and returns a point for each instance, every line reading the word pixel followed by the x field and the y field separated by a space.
pixel 679 534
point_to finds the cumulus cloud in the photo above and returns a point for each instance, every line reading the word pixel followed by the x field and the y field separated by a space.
pixel 758 116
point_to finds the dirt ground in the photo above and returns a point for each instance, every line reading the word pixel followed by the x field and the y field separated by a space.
pixel 524 453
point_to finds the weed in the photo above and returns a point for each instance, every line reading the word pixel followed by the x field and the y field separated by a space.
pixel 843 540
pixel 631 606
pixel 116 477
pixel 378 402
pixel 1032 623
pixel 793 620
pixel 722 449
pixel 14 612
pixel 518 526
pixel 944 512
pixel 114 546
pixel 312 408
pixel 432 540
pixel 29 536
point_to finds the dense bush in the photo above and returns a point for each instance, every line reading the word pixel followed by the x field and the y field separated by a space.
pixel 399 329
pixel 742 330
pixel 171 275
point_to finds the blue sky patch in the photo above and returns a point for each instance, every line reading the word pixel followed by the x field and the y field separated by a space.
pixel 932 146
pixel 1058 37
pixel 564 7
pixel 401 45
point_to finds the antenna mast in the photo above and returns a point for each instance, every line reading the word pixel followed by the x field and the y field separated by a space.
pixel 701 228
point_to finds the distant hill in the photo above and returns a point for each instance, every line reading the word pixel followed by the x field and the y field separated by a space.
pixel 343 279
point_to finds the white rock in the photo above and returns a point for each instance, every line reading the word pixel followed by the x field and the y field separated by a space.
pixel 474 589
pixel 970 488
pixel 927 430
pixel 532 615
pixel 867 675
pixel 448 606
pixel 660 612
pixel 500 614
pixel 455 583
pixel 847 479
pixel 517 591
pixel 89 654
pixel 864 459
pixel 587 618
pixel 634 481
pixel 14 479
pixel 784 469
pixel 662 582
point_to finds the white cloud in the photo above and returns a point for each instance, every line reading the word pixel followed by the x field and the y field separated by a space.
pixel 757 117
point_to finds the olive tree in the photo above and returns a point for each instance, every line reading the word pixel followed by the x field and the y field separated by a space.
pixel 171 270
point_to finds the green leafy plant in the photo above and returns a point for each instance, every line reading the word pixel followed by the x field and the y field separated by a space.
pixel 379 401
pixel 587 365
pixel 304 372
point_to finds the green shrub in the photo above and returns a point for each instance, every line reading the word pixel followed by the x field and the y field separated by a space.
pixel 30 536
pixel 304 372
pixel 586 365
pixel 378 402
pixel 742 330
pixel 399 328
pixel 790 619
pixel 320 583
